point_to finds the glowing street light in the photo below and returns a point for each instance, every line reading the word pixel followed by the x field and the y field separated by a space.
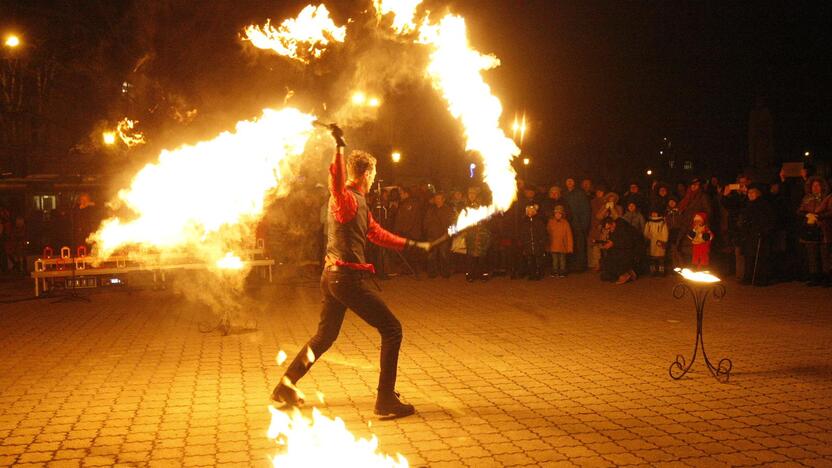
pixel 649 172
pixel 374 102
pixel 109 138
pixel 519 126
pixel 526 161
pixel 807 154
pixel 12 41
pixel 396 156
pixel 359 98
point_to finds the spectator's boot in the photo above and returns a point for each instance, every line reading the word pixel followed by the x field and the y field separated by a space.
pixel 389 405
pixel 286 395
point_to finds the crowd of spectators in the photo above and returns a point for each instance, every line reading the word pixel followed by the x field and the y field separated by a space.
pixel 762 232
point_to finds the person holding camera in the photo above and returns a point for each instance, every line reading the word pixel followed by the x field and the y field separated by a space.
pixel 623 251
pixel 349 225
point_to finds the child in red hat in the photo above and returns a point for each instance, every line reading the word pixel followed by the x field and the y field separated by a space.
pixel 700 236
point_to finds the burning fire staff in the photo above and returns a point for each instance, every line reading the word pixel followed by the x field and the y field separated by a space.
pixel 349 225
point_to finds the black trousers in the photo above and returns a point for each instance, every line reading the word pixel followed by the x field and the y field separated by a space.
pixel 439 260
pixel 344 290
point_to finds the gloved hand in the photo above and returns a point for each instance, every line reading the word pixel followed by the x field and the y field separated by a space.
pixel 338 135
pixel 412 244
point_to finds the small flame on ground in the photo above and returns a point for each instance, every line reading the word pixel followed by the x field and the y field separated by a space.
pixel 322 441
pixel 307 35
pixel 230 262
pixel 697 276
pixel 281 357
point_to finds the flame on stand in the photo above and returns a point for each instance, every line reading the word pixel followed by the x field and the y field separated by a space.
pixel 127 133
pixel 697 276
pixel 205 198
pixel 323 441
pixel 307 35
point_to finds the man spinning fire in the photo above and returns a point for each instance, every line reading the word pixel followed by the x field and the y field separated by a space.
pixel 349 225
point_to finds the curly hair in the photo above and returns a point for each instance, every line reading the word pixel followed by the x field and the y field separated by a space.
pixel 359 162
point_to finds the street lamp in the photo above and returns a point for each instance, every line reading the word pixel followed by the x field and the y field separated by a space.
pixel 526 161
pixel 12 41
pixel 649 172
pixel 807 154
pixel 396 156
pixel 109 138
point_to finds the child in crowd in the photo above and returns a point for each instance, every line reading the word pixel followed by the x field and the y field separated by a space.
pixel 657 234
pixel 533 242
pixel 634 217
pixel 701 237
pixel 560 241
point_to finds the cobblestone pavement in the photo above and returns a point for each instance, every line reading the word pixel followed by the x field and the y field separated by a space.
pixel 559 372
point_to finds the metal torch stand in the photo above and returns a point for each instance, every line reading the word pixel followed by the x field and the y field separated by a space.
pixel 722 371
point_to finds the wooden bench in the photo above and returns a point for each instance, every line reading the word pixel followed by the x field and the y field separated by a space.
pixel 47 270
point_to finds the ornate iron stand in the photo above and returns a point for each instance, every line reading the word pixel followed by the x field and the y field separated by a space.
pixel 699 292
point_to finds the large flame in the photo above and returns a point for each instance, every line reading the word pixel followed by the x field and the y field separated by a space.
pixel 403 13
pixel 206 197
pixel 456 71
pixel 299 38
pixel 322 441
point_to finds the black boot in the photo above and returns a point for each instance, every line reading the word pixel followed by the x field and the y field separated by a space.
pixel 287 395
pixel 388 404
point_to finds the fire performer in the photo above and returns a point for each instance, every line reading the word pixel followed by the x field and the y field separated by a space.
pixel 349 225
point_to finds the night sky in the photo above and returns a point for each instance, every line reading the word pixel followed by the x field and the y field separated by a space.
pixel 601 82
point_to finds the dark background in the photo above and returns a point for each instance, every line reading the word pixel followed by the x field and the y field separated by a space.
pixel 602 83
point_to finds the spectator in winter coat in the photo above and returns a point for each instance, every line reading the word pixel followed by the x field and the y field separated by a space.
pixel 438 218
pixel 580 221
pixel 560 242
pixel 656 234
pixel 700 237
pixel 634 216
pixel 610 208
pixel 593 249
pixel 554 199
pixel 635 195
pixel 533 242
pixel 660 197
pixel 671 219
pixel 477 243
pixel 757 222
pixel 695 201
pixel 815 231
pixel 734 199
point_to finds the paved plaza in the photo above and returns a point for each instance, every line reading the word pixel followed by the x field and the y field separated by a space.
pixel 553 373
